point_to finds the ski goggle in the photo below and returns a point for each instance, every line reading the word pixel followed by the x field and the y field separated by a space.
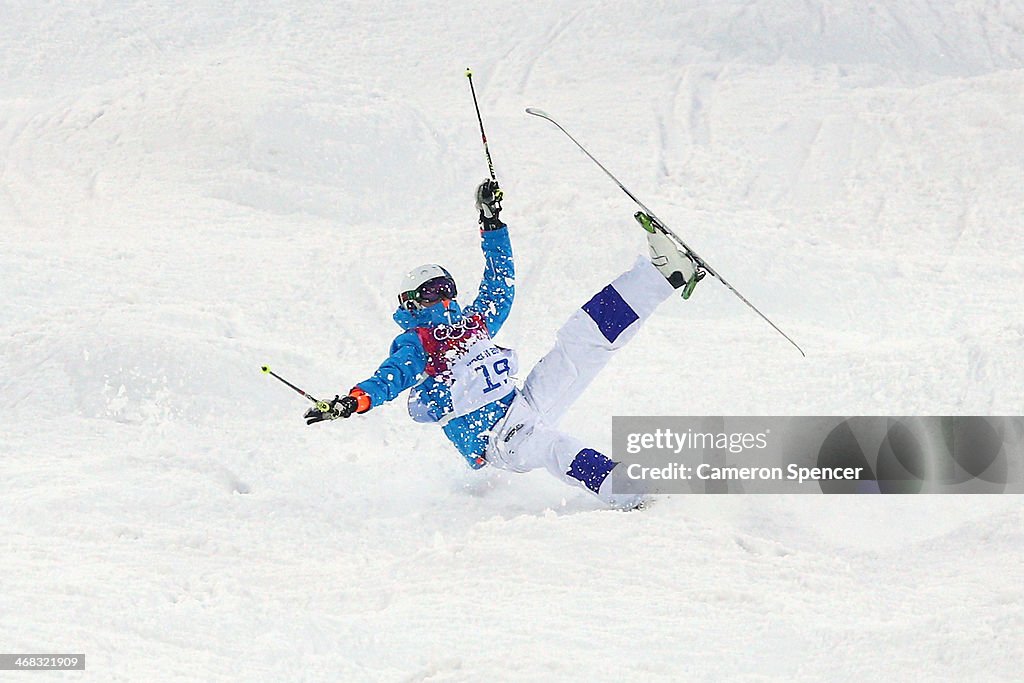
pixel 429 293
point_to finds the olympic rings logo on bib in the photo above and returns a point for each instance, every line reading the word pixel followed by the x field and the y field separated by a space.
pixel 456 330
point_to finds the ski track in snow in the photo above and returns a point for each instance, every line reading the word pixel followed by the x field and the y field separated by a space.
pixel 188 191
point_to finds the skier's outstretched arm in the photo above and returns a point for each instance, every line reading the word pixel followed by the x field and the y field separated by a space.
pixel 497 288
pixel 399 371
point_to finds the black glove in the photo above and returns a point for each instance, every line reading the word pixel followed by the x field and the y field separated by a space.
pixel 488 202
pixel 338 407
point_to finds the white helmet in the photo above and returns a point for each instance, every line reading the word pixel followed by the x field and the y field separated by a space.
pixel 425 284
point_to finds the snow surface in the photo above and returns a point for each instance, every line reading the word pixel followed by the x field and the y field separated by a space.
pixel 189 190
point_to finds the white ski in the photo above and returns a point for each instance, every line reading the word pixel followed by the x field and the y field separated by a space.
pixel 656 222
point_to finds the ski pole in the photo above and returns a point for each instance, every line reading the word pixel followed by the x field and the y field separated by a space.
pixel 320 405
pixel 483 135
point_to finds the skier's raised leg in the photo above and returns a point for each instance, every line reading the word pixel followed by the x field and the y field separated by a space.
pixel 527 438
pixel 602 326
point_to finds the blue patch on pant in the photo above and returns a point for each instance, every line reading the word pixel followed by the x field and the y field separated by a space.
pixel 591 468
pixel 611 313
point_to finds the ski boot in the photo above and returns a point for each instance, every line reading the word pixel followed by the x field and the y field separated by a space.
pixel 676 265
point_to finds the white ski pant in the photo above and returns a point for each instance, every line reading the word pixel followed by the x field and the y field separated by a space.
pixel 528 438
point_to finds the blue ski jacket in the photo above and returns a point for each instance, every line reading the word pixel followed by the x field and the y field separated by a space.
pixel 406 365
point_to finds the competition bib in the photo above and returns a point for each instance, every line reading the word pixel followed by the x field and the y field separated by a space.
pixel 483 374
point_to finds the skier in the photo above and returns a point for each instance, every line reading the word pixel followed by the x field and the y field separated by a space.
pixel 462 380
